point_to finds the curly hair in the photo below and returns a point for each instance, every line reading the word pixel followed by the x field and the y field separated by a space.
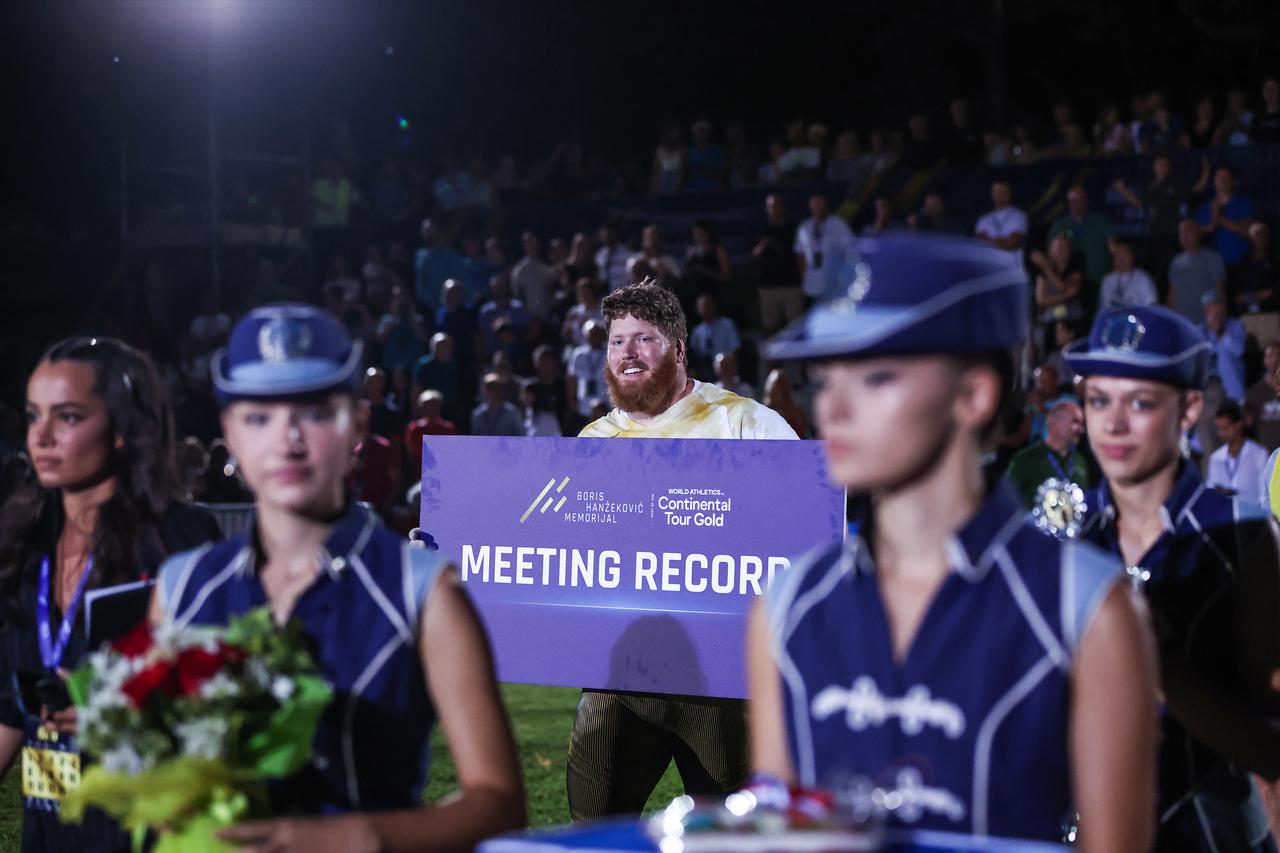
pixel 648 301
pixel 144 467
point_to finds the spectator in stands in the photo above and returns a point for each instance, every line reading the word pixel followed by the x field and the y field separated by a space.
pixel 1226 335
pixel 741 158
pixel 501 366
pixel 1059 286
pixel 611 258
pixel 1064 334
pixel 453 187
pixel 342 278
pixel 1259 286
pixel 1089 232
pixel 1163 132
pixel 1141 114
pixel 726 373
pixel 1227 217
pixel 549 384
pixel 586 308
pixel 495 416
pixel 1004 227
pixel 580 263
pixel 374 476
pixel 222 483
pixel 434 264
pixel 1164 202
pixel 770 171
pixel 801 161
pixel 1265 129
pixel 584 380
pixel 706 265
pixel 536 419
pixel 704 161
pixel 390 200
pixel 401 334
pixel 880 156
pixel 478 268
pixel 777 396
pixel 1110 135
pixel 821 244
pixel 430 421
pixel 961 143
pixel 501 306
pixel 921 150
pixel 1047 393
pixel 933 216
pixel 357 320
pixel 460 321
pixel 1126 285
pixel 885 217
pixel 332 197
pixel 385 419
pixel 1054 457
pixel 653 253
pixel 1193 272
pixel 438 371
pixel 781 299
pixel 1236 467
pixel 532 281
pixel 1204 126
pixel 496 253
pixel 1261 408
pixel 1235 126
pixel 843 164
pixel 714 334
pixel 666 175
pixel 208 331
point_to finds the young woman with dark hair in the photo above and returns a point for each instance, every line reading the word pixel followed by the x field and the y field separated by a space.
pixel 101 511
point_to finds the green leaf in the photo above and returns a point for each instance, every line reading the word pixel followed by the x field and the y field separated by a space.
pixel 78 684
pixel 283 746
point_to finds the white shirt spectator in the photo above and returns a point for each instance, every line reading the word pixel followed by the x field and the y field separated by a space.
pixel 1004 222
pixel 823 247
pixel 1243 474
pixel 586 365
pixel 1127 290
pixel 707 340
pixel 538 423
pixel 611 262
pixel 574 318
pixel 535 284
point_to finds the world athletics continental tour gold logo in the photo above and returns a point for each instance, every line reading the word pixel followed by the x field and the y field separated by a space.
pixel 549 498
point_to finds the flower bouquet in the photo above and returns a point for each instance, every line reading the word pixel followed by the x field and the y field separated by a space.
pixel 186 726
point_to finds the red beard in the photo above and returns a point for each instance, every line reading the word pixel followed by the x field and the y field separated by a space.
pixel 651 396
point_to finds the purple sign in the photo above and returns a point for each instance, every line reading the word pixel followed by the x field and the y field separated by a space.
pixel 625 565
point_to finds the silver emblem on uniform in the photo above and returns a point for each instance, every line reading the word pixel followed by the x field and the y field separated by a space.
pixel 284 338
pixel 1137 575
pixel 1059 508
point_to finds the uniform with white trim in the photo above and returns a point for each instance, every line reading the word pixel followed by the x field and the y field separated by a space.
pixel 969 733
pixel 1191 577
pixel 362 618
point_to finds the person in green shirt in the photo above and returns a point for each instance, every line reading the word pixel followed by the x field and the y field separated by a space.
pixel 1054 457
pixel 1091 233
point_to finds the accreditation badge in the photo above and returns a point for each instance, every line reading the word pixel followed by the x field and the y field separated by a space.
pixel 1059 508
pixel 50 767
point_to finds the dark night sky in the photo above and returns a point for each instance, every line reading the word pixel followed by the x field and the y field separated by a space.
pixel 481 77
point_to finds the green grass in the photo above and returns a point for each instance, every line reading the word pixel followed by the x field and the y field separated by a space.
pixel 542 718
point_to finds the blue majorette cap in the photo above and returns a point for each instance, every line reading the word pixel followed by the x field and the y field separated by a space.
pixel 906 294
pixel 1152 342
pixel 286 350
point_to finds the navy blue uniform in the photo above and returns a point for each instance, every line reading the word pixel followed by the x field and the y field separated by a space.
pixel 971 728
pixel 1192 577
pixel 362 615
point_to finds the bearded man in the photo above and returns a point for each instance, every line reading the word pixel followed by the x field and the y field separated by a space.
pixel 623 742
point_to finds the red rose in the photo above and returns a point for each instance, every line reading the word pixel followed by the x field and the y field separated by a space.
pixel 158 676
pixel 137 642
pixel 231 654
pixel 195 667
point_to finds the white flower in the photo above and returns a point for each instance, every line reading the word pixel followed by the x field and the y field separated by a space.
pixel 202 737
pixel 122 758
pixel 282 688
pixel 258 673
pixel 219 686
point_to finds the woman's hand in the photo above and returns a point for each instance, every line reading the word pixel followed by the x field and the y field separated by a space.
pixel 63 722
pixel 305 835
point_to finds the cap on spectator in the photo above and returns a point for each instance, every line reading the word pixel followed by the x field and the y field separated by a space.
pixel 1211 297
pixel 286 350
pixel 903 294
pixel 1151 342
